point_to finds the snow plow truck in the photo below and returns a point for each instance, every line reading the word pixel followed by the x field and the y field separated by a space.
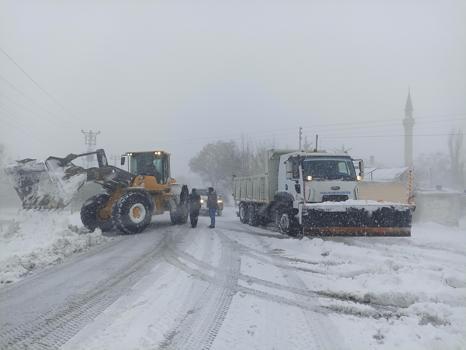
pixel 129 197
pixel 316 193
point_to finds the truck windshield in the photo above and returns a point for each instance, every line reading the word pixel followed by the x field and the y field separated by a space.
pixel 329 169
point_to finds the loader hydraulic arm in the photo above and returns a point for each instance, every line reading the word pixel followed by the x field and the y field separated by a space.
pixel 100 153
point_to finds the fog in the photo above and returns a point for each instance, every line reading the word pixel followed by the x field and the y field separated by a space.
pixel 176 75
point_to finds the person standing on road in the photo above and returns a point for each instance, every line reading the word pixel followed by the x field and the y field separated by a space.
pixel 194 206
pixel 212 205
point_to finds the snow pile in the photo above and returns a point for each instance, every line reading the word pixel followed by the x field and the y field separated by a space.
pixel 33 239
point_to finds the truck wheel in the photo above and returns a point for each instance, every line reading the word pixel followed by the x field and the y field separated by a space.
pixel 284 223
pixel 90 213
pixel 253 220
pixel 133 212
pixel 289 226
pixel 243 217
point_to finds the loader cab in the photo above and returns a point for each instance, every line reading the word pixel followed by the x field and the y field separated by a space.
pixel 154 163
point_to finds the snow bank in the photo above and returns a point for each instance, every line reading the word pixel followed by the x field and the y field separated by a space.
pixel 33 239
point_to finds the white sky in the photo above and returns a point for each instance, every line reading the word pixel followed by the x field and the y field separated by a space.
pixel 177 74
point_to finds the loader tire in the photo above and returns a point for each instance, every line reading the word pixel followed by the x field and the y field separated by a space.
pixel 133 212
pixel 89 213
pixel 179 215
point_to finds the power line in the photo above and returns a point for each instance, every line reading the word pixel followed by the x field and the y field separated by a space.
pixel 20 92
pixel 35 82
pixel 392 135
pixel 23 108
pixel 10 119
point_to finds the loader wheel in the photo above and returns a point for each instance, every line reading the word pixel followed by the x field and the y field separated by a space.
pixel 183 213
pixel 243 217
pixel 89 213
pixel 133 212
pixel 179 215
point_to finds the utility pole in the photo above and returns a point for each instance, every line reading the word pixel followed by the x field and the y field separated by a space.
pixel 300 138
pixel 90 140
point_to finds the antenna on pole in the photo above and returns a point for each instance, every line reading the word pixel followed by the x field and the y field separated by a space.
pixel 90 140
pixel 300 138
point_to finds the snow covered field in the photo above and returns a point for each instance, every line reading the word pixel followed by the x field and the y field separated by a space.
pixel 234 287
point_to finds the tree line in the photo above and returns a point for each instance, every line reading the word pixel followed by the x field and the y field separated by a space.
pixel 217 162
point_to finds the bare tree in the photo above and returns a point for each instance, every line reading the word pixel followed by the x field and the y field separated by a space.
pixel 216 163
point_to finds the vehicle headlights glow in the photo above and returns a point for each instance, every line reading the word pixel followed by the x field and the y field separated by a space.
pixel 219 201
pixel 359 177
pixel 309 178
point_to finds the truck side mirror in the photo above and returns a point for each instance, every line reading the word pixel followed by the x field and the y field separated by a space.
pixel 122 160
pixel 361 169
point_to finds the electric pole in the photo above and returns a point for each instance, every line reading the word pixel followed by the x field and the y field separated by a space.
pixel 90 140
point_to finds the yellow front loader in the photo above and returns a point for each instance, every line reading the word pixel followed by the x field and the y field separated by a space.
pixel 151 191
pixel 129 199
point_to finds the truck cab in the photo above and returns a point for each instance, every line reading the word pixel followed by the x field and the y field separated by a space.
pixel 318 177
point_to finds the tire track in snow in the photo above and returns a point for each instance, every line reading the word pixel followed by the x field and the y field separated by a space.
pixel 55 327
pixel 201 324
pixel 206 277
pixel 379 311
pixel 324 335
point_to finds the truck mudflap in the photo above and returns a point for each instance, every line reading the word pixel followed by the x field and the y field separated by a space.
pixel 357 218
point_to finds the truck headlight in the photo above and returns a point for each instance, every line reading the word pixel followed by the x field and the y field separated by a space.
pixel 359 178
pixel 219 201
pixel 309 178
pixel 202 201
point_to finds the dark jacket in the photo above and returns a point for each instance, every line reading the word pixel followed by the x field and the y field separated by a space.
pixel 194 202
pixel 212 200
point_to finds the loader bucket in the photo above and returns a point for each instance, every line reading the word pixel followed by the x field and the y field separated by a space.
pixel 357 218
pixel 45 185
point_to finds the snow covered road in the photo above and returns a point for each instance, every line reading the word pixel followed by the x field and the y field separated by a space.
pixel 242 287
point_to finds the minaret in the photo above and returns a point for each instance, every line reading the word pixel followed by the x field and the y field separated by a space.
pixel 408 123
